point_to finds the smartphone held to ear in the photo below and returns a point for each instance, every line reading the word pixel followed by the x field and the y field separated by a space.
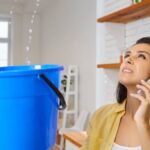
pixel 140 92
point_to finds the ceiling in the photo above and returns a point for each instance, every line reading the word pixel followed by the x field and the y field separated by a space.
pixel 14 1
pixel 29 5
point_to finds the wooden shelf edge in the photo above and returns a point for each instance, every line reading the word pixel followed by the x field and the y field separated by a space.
pixel 109 66
pixel 73 141
pixel 120 16
pixel 75 137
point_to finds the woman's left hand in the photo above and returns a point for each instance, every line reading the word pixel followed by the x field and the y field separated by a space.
pixel 142 114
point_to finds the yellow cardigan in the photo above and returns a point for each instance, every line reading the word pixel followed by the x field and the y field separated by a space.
pixel 103 127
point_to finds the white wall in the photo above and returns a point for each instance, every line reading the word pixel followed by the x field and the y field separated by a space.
pixel 16 30
pixel 116 38
pixel 68 37
pixel 34 53
pixel 16 40
pixel 20 23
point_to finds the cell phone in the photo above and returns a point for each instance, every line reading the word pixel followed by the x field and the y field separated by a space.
pixel 140 92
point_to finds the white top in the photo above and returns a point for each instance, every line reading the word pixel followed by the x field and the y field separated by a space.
pixel 120 147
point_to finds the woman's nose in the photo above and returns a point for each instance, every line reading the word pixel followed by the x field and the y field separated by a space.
pixel 129 60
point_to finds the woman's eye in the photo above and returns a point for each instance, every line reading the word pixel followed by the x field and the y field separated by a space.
pixel 141 56
pixel 127 55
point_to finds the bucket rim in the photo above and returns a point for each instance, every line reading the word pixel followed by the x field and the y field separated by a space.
pixel 21 70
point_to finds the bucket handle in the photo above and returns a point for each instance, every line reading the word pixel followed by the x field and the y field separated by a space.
pixel 62 104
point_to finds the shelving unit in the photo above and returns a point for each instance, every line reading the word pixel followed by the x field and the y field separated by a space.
pixel 125 15
pixel 128 14
pixel 71 97
pixel 111 65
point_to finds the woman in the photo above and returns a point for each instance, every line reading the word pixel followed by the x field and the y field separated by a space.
pixel 125 125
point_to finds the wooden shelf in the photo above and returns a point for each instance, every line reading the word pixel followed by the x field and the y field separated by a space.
pixel 76 138
pixel 109 66
pixel 128 14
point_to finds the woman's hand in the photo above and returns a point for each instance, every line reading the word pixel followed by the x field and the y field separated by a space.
pixel 142 114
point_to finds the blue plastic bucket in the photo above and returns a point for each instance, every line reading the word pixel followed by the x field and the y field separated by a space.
pixel 29 106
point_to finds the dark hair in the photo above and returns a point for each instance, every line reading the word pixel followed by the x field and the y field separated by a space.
pixel 144 40
pixel 121 91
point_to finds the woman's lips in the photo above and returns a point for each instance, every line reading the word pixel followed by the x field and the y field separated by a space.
pixel 127 70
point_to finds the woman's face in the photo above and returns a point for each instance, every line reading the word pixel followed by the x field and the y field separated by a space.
pixel 136 65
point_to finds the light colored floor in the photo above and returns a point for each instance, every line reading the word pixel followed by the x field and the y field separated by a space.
pixel 55 148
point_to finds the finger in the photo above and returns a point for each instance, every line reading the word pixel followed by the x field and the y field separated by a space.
pixel 146 84
pixel 146 91
pixel 139 97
